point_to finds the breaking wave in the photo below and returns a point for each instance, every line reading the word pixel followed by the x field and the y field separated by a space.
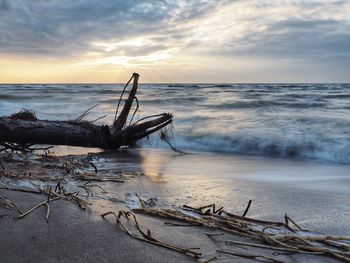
pixel 337 151
pixel 302 121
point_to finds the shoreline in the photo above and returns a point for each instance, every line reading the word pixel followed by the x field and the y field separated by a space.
pixel 200 179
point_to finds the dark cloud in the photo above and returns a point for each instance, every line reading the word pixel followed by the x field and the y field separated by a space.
pixel 59 28
pixel 66 28
pixel 4 5
pixel 297 38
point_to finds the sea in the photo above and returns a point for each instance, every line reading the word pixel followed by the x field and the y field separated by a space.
pixel 297 121
pixel 286 147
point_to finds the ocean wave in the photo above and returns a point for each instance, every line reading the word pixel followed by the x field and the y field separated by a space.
pixel 222 85
pixel 175 100
pixel 305 121
pixel 176 85
pixel 24 97
pixel 337 96
pixel 183 86
pixel 108 91
pixel 337 151
pixel 7 97
pixel 261 91
pixel 266 103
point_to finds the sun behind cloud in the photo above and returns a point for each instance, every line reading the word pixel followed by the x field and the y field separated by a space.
pixel 172 41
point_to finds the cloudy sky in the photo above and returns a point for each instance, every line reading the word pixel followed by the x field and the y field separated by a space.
pixel 175 40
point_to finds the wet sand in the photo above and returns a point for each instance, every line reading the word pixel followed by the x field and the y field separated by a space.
pixel 313 194
pixel 70 236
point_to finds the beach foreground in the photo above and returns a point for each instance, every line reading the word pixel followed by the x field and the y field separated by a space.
pixel 313 194
pixel 70 236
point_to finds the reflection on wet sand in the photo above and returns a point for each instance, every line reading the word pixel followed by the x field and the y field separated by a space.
pixel 275 185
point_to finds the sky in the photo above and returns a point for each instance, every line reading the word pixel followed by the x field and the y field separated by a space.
pixel 174 41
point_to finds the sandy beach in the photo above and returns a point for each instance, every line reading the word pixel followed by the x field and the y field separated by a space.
pixel 174 131
pixel 304 190
pixel 70 236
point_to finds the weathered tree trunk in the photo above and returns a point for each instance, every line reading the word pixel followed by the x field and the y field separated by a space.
pixel 25 129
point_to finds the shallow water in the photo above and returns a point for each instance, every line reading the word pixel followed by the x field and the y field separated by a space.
pixel 298 121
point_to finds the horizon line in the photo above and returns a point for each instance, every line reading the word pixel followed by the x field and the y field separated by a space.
pixel 160 83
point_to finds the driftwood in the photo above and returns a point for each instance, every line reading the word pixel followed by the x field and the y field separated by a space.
pixel 24 129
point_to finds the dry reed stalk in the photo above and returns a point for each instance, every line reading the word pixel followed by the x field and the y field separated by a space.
pixel 292 240
pixel 8 204
pixel 147 237
pixel 35 207
pixel 250 256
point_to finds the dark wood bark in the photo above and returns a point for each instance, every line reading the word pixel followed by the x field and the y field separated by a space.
pixel 24 128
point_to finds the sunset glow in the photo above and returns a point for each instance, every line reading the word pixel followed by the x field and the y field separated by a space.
pixel 174 41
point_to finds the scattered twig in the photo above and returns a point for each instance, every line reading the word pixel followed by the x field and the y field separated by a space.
pixel 2 166
pixel 47 212
pixel 234 242
pixel 99 118
pixel 279 236
pixel 82 116
pixel 288 219
pixel 99 178
pixel 37 206
pixel 15 147
pixel 247 208
pixel 147 237
pixel 92 164
pixel 181 225
pixel 311 237
pixel 250 256
pixel 147 203
pixel 8 204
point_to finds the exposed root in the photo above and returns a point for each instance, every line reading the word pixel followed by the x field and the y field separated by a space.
pixel 167 136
